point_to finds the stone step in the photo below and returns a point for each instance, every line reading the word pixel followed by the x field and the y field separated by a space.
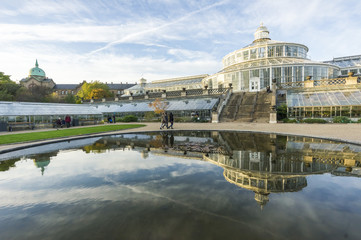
pixel 244 120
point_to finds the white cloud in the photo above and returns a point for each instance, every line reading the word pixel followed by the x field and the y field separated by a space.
pixel 122 40
pixel 43 7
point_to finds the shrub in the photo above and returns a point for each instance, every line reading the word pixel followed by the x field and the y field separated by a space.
pixel 359 121
pixel 287 120
pixel 341 119
pixel 282 112
pixel 128 118
pixel 149 116
pixel 314 120
pixel 203 120
pixel 182 119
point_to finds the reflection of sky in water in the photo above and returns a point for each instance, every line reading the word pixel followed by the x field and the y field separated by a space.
pixel 49 148
pixel 118 194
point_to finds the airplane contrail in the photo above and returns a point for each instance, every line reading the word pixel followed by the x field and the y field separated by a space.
pixel 130 36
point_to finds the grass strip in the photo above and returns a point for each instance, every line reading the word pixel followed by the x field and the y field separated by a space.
pixel 33 136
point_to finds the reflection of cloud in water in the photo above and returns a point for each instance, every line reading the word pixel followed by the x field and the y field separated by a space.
pixel 165 194
pixel 49 148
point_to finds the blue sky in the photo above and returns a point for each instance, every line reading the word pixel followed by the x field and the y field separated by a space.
pixel 124 40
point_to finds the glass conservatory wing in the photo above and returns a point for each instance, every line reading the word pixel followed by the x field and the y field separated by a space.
pixel 315 101
pixel 324 99
pixel 135 107
pixel 357 95
pixel 192 104
pixel 341 98
pixel 306 100
pixel 290 100
pixel 44 109
pixel 333 99
pixel 175 83
pixel 354 98
pixel 293 101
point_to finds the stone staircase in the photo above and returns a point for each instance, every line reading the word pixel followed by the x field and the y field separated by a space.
pixel 229 112
pixel 247 107
pixel 263 107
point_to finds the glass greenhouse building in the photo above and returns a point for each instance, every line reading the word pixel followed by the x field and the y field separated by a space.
pixel 30 115
pixel 25 115
pixel 180 107
pixel 324 104
pixel 253 67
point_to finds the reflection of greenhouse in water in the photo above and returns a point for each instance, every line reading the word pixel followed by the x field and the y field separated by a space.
pixel 264 174
pixel 262 163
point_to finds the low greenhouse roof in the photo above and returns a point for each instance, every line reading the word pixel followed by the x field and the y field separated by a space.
pixel 319 99
pixel 172 105
pixel 45 109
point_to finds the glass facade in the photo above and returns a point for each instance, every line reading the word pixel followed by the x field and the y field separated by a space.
pixel 282 74
pixel 266 59
pixel 324 104
pixel 179 107
pixel 43 115
pixel 266 52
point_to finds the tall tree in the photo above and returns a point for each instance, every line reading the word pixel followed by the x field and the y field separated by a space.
pixel 94 89
pixel 8 88
pixel 70 98
pixel 159 105
pixel 34 94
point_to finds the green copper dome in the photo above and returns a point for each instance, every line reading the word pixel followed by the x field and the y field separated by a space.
pixel 36 71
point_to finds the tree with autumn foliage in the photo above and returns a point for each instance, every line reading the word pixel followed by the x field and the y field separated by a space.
pixel 94 90
pixel 159 105
pixel 8 88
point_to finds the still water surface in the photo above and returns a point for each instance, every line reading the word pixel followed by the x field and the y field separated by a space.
pixel 182 185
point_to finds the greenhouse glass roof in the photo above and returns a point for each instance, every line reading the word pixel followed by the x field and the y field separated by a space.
pixel 319 99
pixel 49 109
pixel 159 84
pixel 44 109
pixel 343 62
pixel 172 105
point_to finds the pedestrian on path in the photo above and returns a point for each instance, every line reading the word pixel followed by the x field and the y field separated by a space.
pixel 171 120
pixel 164 120
pixel 58 123
pixel 67 121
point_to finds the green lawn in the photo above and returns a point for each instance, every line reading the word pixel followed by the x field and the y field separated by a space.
pixel 33 136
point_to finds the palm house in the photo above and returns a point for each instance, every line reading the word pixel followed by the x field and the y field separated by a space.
pixel 253 67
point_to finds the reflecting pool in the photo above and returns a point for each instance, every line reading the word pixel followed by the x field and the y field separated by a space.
pixel 182 185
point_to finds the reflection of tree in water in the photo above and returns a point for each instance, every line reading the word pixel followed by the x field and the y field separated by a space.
pixel 41 161
pixel 157 141
pixel 98 147
pixel 7 164
pixel 262 163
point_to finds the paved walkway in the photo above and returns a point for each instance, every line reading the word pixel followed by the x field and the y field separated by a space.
pixel 343 132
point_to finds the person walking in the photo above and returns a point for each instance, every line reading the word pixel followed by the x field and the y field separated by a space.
pixel 171 120
pixel 164 120
pixel 67 121
pixel 58 123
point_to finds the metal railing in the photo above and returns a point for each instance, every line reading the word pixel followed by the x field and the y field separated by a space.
pixel 154 95
pixel 194 92
pixel 174 94
pixel 287 85
pixel 217 91
pixel 321 83
pixel 223 102
pixel 170 94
